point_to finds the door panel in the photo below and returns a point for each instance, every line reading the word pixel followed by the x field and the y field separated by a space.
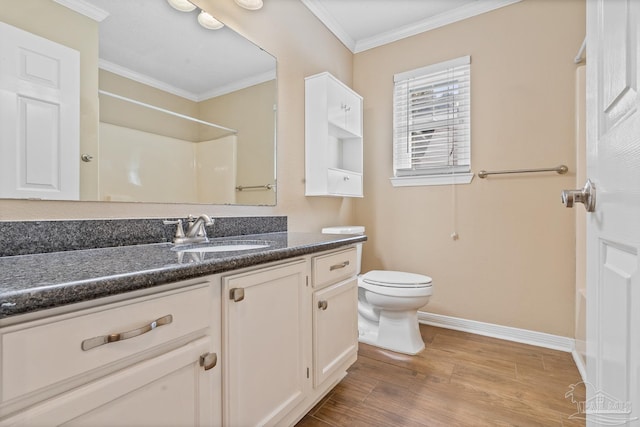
pixel 39 117
pixel 613 229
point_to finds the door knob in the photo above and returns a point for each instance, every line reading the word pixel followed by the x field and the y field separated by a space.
pixel 586 196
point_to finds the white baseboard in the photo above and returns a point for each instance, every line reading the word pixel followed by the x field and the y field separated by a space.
pixel 539 339
pixel 580 364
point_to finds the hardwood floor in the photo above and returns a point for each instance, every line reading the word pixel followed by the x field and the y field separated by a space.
pixel 460 379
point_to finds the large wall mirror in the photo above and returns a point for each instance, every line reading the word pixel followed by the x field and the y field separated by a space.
pixel 169 111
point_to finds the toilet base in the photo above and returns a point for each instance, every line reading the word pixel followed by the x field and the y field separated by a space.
pixel 395 331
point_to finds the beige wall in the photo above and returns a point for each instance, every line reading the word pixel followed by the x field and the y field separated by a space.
pixel 303 46
pixel 514 263
pixel 244 110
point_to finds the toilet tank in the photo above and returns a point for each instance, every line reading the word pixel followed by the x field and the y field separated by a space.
pixel 349 229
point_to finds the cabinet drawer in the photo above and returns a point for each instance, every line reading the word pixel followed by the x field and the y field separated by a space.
pixel 341 182
pixel 47 353
pixel 331 268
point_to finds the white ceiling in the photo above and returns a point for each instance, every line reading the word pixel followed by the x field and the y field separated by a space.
pixel 365 24
pixel 150 42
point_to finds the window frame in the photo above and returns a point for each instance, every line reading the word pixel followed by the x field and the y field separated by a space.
pixel 447 174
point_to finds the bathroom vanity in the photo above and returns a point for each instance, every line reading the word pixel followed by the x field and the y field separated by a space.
pixel 148 334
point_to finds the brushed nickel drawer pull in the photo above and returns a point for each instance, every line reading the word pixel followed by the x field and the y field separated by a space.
pixel 338 266
pixel 90 343
pixel 208 360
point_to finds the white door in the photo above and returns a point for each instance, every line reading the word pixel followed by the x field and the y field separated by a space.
pixel 39 117
pixel 613 229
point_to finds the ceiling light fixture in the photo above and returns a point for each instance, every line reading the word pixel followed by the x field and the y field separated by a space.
pixel 207 21
pixel 249 4
pixel 182 5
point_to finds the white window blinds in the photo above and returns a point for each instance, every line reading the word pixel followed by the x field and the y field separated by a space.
pixel 431 124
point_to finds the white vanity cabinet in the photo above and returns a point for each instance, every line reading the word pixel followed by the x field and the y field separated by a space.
pixel 335 313
pixel 264 343
pixel 333 138
pixel 71 369
pixel 259 346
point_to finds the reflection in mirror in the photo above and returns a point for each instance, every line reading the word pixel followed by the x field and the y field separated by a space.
pixel 186 114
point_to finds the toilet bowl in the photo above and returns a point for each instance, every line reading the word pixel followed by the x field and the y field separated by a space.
pixel 388 303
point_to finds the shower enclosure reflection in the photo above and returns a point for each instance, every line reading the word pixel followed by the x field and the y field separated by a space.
pixel 170 112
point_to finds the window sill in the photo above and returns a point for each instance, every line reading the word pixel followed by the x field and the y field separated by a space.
pixel 445 179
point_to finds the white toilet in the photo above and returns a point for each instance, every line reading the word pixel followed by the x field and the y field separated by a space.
pixel 388 303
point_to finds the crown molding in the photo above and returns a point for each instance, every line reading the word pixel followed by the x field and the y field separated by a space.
pixel 144 79
pixel 84 8
pixel 464 12
pixel 316 7
pixel 470 10
pixel 238 85
pixel 195 97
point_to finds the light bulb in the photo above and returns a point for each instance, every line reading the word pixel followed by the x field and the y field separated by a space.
pixel 250 4
pixel 208 21
pixel 182 5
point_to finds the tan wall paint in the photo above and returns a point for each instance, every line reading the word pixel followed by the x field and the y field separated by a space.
pixel 303 46
pixel 514 263
pixel 123 113
pixel 244 110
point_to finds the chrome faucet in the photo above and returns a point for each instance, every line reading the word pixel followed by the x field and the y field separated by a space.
pixel 196 232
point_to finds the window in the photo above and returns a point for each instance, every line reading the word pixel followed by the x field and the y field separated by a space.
pixel 431 124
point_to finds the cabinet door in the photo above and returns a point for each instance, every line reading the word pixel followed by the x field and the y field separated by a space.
pixel 344 108
pixel 335 328
pixel 263 344
pixel 169 390
pixel 353 113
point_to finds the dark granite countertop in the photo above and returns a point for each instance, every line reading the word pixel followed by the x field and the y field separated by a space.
pixel 29 283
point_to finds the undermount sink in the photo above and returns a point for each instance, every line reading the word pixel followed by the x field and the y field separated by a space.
pixel 223 246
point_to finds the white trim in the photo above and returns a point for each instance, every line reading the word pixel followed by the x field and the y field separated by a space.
pixel 525 336
pixel 146 80
pixel 582 368
pixel 237 85
pixel 150 81
pixel 84 8
pixel 356 46
pixel 316 7
pixel 433 68
pixel 444 179
pixel 455 15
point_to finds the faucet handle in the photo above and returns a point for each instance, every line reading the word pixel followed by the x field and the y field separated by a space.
pixel 179 229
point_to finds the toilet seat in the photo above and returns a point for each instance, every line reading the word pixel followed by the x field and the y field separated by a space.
pixel 396 283
pixel 396 279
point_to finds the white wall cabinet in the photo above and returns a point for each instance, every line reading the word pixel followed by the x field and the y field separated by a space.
pixel 264 316
pixel 333 138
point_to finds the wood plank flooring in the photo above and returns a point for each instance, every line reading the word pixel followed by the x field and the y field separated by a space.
pixel 460 379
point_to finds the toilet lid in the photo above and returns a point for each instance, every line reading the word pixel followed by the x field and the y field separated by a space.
pixel 396 279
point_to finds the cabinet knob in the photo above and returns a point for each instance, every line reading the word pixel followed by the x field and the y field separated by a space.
pixel 208 360
pixel 346 178
pixel 322 305
pixel 236 294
